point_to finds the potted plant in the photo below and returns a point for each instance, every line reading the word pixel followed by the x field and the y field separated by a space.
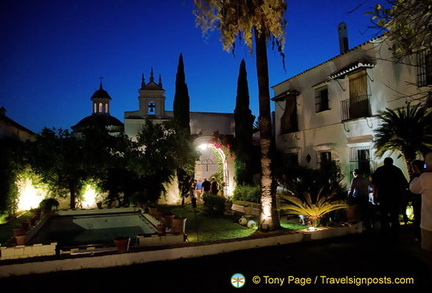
pixel 19 230
pixel 47 205
pixel 122 244
pixel 21 239
pixel 179 225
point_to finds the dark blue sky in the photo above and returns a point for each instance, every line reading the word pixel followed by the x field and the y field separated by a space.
pixel 52 53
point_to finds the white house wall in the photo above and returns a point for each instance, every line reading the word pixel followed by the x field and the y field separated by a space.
pixel 388 86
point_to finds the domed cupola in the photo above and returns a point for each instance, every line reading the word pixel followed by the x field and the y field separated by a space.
pixel 101 114
pixel 101 100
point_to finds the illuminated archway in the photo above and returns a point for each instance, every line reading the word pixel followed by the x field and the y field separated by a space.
pixel 211 156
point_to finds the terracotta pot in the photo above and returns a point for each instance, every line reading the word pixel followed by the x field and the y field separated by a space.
pixel 21 239
pixel 122 245
pixel 179 225
pixel 18 231
pixel 161 229
pixel 168 220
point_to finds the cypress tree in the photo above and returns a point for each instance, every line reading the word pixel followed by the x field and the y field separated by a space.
pixel 243 129
pixel 181 99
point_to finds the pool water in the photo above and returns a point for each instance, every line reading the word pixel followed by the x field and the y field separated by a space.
pixel 69 229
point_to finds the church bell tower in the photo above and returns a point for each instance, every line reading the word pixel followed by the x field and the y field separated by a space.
pixel 151 98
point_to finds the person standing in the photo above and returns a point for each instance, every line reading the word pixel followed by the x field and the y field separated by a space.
pixel 359 192
pixel 423 185
pixel 417 167
pixel 198 190
pixel 214 187
pixel 389 184
pixel 205 186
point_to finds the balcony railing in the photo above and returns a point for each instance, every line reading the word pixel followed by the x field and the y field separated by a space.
pixel 355 108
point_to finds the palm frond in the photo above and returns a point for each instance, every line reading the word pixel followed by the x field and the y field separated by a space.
pixel 314 210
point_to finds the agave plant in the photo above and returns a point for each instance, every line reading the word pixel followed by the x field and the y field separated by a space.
pixel 312 210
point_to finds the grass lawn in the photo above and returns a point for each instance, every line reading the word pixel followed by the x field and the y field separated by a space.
pixel 200 227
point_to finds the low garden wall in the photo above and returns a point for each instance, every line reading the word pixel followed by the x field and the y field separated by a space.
pixel 92 260
pixel 26 251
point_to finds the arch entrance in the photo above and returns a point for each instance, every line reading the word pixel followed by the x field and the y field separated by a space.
pixel 214 160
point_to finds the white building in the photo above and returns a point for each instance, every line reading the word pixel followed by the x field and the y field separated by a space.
pixel 151 105
pixel 330 111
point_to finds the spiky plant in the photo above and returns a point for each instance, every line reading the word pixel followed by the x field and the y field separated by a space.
pixel 407 130
pixel 313 210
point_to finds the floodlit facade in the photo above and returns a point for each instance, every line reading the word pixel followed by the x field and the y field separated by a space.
pixel 329 112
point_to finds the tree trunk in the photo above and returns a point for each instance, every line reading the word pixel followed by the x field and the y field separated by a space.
pixel 408 162
pixel 72 190
pixel 269 219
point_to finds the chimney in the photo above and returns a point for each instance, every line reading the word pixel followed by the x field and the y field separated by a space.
pixel 343 37
pixel 3 111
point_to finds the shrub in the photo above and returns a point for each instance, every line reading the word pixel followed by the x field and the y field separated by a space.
pixel 214 204
pixel 247 193
pixel 314 210
pixel 49 203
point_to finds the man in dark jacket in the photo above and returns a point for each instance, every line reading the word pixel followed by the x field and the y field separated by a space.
pixel 205 186
pixel 389 184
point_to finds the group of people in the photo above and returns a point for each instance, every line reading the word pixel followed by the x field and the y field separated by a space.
pixel 391 192
pixel 202 187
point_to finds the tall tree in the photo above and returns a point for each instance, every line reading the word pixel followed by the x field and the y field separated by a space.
pixel 243 129
pixel 181 99
pixel 58 158
pixel 405 130
pixel 160 150
pixel 252 21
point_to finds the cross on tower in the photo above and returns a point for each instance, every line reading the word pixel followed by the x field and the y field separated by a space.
pixel 101 78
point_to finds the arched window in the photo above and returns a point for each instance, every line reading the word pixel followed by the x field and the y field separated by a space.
pixel 151 108
pixel 100 110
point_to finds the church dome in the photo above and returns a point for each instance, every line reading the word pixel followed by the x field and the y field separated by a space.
pixel 100 94
pixel 101 116
pixel 99 121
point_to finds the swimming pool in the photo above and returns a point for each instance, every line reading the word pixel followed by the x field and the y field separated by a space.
pixel 91 227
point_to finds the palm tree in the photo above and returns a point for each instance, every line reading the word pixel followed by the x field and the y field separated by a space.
pixel 407 130
pixel 313 210
pixel 259 21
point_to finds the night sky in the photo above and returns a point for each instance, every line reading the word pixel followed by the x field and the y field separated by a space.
pixel 53 53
